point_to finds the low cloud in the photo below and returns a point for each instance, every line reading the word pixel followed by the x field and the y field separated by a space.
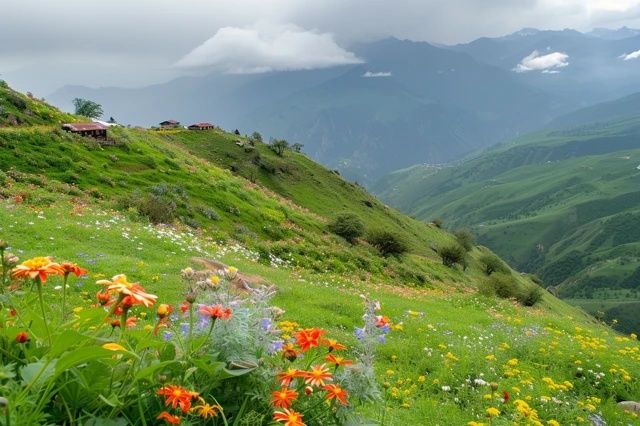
pixel 547 64
pixel 370 74
pixel 264 48
pixel 630 56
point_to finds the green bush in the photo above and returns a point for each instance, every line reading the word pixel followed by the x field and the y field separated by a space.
pixel 465 238
pixel 530 295
pixel 453 254
pixel 347 225
pixel 492 263
pixel 387 242
pixel 500 285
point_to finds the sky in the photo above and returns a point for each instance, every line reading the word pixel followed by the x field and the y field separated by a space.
pixel 48 44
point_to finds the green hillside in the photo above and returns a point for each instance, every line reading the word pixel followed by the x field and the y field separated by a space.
pixel 149 203
pixel 562 204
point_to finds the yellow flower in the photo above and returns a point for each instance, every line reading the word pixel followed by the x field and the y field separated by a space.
pixel 232 272
pixel 214 280
pixel 78 310
pixel 553 423
pixel 490 357
pixel 421 379
pixel 512 362
pixel 390 373
pixel 451 357
pixel 113 347
pixel 148 327
pixel 492 412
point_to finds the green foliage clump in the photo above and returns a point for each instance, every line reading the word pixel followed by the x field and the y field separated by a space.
pixel 465 238
pixel 453 254
pixel 492 263
pixel 87 108
pixel 347 225
pixel 279 146
pixel 530 295
pixel 388 243
pixel 501 285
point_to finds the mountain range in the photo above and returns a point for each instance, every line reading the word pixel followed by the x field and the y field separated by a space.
pixel 408 103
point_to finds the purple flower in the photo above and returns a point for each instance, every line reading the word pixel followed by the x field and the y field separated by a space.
pixel 359 333
pixel 275 346
pixel 167 335
pixel 184 328
pixel 382 338
pixel 265 323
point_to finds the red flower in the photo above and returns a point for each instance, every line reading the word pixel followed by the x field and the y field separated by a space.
pixel 177 396
pixel 215 312
pixel 22 337
pixel 333 345
pixel 337 393
pixel 103 298
pixel 309 338
pixel 505 396
pixel 184 306
pixel 172 420
pixel 286 377
pixel 381 321
pixel 13 312
pixel 283 398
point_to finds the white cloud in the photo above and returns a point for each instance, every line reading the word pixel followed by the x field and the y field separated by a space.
pixel 630 56
pixel 548 64
pixel 264 48
pixel 370 74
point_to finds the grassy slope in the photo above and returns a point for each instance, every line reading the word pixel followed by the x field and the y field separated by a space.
pixel 43 214
pixel 573 193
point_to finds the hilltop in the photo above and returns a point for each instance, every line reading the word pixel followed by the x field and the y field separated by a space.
pixel 559 203
pixel 148 204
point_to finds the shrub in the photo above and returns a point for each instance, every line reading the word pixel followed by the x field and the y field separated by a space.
pixel 387 242
pixel 501 285
pixel 530 295
pixel 156 208
pixel 279 146
pixel 453 254
pixel 492 263
pixel 437 222
pixel 465 238
pixel 347 225
pixel 17 101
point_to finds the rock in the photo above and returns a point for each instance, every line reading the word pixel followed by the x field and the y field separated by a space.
pixel 631 406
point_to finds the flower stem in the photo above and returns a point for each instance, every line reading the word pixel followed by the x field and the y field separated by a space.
pixel 64 296
pixel 190 322
pixel 44 315
pixel 123 323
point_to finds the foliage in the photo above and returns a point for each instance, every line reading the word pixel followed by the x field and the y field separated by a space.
pixel 87 108
pixel 347 225
pixel 453 254
pixel 279 146
pixel 387 242
pixel 500 285
pixel 465 238
pixel 492 263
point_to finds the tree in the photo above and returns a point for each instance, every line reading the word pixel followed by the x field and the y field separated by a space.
pixel 236 132
pixel 87 108
pixel 437 222
pixel 348 226
pixel 387 243
pixel 256 137
pixel 465 238
pixel 112 120
pixel 297 147
pixel 453 254
pixel 492 263
pixel 279 146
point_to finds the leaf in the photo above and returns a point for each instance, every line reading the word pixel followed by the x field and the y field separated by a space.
pixel 81 356
pixel 37 373
pixel 149 371
pixel 168 353
pixel 112 401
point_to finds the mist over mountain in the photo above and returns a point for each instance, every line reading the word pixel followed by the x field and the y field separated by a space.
pixel 407 103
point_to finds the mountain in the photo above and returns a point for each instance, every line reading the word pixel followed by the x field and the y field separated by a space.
pixel 147 202
pixel 593 70
pixel 410 102
pixel 562 204
pixel 619 109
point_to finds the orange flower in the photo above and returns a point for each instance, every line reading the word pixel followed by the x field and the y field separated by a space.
pixel 38 267
pixel 72 268
pixel 120 285
pixel 382 320
pixel 338 360
pixel 22 337
pixel 184 306
pixel 215 312
pixel 206 411
pixel 308 338
pixel 103 298
pixel 172 420
pixel 333 345
pixel 283 398
pixel 131 322
pixel 289 351
pixel 337 393
pixel 288 417
pixel 177 396
pixel 317 375
pixel 164 310
pixel 286 377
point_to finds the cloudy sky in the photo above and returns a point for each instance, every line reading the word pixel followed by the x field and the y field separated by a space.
pixel 47 44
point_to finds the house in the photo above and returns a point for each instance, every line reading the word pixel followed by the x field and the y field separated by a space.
pixel 94 130
pixel 201 126
pixel 170 124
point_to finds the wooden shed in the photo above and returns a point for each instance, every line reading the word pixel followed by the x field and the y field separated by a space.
pixel 94 130
pixel 201 126
pixel 169 124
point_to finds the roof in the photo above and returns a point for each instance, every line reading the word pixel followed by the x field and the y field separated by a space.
pixel 170 122
pixel 201 125
pixel 83 127
pixel 105 123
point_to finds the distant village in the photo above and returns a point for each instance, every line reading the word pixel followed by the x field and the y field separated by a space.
pixel 98 129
